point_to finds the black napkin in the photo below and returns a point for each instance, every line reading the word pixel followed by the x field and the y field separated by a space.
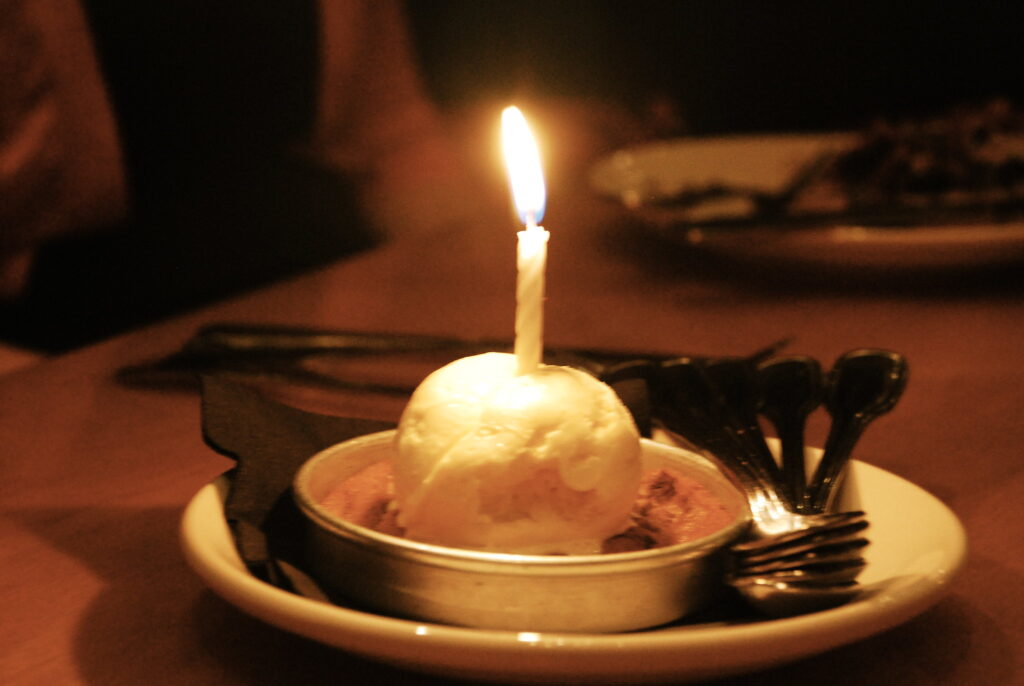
pixel 269 441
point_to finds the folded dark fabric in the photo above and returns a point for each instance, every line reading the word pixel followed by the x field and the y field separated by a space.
pixel 269 441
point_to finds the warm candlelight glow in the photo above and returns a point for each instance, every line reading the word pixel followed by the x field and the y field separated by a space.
pixel 528 193
pixel 522 158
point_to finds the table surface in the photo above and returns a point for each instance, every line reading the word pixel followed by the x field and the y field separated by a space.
pixel 94 474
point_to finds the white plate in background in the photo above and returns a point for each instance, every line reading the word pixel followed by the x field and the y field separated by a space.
pixel 638 175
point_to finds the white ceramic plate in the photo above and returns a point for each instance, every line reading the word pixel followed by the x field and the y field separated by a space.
pixel 917 547
pixel 638 174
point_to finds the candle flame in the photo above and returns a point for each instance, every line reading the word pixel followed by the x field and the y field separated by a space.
pixel 524 171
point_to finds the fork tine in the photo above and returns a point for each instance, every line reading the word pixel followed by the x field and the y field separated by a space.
pixel 843 543
pixel 809 563
pixel 824 574
pixel 840 527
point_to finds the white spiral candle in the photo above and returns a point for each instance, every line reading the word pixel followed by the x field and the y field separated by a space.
pixel 531 259
pixel 529 196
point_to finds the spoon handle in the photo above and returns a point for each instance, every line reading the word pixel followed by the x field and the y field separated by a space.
pixel 736 383
pixel 824 487
pixel 794 474
pixel 863 385
pixel 791 388
pixel 686 404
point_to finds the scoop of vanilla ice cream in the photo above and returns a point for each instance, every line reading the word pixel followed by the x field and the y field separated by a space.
pixel 547 462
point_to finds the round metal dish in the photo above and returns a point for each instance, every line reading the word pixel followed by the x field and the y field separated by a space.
pixel 578 593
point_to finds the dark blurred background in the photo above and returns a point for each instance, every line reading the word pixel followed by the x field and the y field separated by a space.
pixel 660 67
pixel 728 65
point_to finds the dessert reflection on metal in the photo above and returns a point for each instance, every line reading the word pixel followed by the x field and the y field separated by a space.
pixel 800 555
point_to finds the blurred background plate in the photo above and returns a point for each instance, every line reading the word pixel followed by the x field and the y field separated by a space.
pixel 731 172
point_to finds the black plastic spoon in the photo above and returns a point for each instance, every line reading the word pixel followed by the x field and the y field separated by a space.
pixel 791 388
pixel 863 385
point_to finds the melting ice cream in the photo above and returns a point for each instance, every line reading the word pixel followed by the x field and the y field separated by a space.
pixel 546 462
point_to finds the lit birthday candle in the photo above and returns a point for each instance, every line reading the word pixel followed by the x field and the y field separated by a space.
pixel 527 181
pixel 500 452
